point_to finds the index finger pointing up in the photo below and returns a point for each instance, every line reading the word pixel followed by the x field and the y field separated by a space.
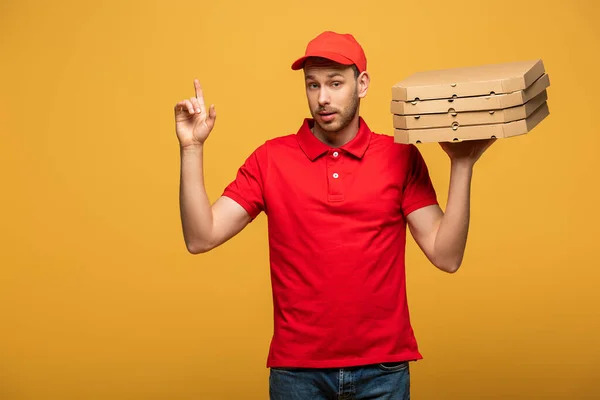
pixel 199 94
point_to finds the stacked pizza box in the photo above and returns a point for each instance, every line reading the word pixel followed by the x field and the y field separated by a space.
pixel 489 101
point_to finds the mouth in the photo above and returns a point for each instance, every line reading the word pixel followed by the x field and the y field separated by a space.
pixel 327 116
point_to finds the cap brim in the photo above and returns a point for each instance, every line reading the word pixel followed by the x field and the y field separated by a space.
pixel 299 63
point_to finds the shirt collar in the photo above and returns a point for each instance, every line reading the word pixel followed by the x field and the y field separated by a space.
pixel 313 147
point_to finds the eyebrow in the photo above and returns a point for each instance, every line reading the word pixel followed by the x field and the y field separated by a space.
pixel 331 75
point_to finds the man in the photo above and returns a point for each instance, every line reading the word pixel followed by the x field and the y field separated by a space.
pixel 338 199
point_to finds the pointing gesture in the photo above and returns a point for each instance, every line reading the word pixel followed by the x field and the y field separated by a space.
pixel 192 123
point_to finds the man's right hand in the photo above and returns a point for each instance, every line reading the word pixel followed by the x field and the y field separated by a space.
pixel 192 123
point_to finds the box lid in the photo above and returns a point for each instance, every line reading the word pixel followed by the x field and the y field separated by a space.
pixel 462 133
pixel 468 81
pixel 451 119
pixel 476 103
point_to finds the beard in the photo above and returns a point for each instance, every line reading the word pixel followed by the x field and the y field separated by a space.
pixel 343 118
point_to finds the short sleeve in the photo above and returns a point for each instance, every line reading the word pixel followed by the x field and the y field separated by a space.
pixel 418 189
pixel 247 189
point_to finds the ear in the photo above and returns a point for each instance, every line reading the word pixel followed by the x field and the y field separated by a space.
pixel 362 82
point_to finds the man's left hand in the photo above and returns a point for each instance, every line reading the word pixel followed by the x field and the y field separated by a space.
pixel 467 151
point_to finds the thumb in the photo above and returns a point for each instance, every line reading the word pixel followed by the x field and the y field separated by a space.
pixel 209 121
pixel 212 115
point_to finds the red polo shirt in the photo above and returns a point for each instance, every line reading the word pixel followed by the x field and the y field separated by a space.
pixel 337 233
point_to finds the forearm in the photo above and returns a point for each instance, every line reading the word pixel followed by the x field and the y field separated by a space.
pixel 195 208
pixel 451 237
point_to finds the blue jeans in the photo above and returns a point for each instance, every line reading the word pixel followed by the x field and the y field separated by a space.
pixel 389 381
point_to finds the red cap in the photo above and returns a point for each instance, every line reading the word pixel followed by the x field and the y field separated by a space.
pixel 341 48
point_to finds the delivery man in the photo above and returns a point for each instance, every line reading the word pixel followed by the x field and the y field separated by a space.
pixel 338 199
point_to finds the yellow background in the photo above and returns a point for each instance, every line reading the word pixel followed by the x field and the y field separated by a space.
pixel 99 298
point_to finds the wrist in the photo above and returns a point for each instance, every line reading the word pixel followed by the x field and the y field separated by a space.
pixel 462 163
pixel 461 168
pixel 193 148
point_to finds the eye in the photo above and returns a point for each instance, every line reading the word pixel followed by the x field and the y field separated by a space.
pixel 312 85
pixel 336 84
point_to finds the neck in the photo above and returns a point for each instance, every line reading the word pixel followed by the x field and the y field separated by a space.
pixel 337 138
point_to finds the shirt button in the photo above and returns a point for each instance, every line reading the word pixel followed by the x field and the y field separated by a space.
pixel 335 154
pixel 335 175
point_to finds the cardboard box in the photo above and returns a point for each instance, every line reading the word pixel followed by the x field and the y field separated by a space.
pixel 468 81
pixel 476 103
pixel 451 119
pixel 461 133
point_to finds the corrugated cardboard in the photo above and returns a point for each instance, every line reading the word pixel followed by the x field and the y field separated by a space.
pixel 470 117
pixel 472 132
pixel 476 103
pixel 468 81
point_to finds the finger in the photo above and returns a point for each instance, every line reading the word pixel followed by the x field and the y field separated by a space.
pixel 212 116
pixel 489 143
pixel 189 106
pixel 180 107
pixel 212 113
pixel 196 105
pixel 199 93
pixel 184 106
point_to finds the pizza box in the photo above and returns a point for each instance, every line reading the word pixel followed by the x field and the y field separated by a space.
pixel 468 81
pixel 454 118
pixel 472 132
pixel 474 103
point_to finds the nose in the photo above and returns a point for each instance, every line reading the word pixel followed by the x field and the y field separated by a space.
pixel 323 97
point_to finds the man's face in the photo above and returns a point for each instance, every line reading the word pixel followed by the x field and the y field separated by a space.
pixel 332 92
